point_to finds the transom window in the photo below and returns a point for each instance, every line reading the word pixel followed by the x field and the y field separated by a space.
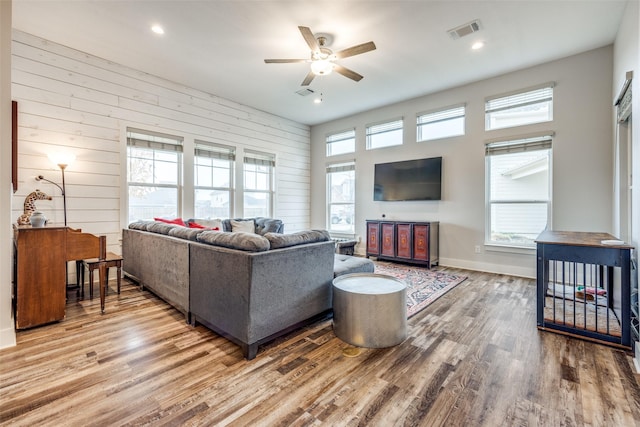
pixel 213 180
pixel 518 190
pixel 154 175
pixel 341 143
pixel 258 184
pixel 520 108
pixel 441 124
pixel 341 188
pixel 385 134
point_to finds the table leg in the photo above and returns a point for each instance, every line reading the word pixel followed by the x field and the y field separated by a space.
pixel 118 278
pixel 102 270
pixel 91 282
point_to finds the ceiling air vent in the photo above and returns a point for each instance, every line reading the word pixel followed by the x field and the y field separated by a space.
pixel 304 92
pixel 464 30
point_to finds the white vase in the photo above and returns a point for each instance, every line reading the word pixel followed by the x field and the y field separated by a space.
pixel 37 219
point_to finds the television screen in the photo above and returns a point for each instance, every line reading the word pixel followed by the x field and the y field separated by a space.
pixel 419 179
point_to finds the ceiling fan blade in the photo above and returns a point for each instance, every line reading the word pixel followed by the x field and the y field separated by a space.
pixel 355 50
pixel 347 72
pixel 307 80
pixel 309 38
pixel 284 61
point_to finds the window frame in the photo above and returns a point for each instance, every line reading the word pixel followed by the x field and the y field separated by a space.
pixel 259 158
pixel 338 137
pixel 206 149
pixel 517 144
pixel 515 100
pixel 440 115
pixel 157 142
pixel 338 167
pixel 379 128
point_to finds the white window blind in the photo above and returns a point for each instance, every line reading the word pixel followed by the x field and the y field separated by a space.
pixel 214 151
pixel 441 124
pixel 519 108
pixel 341 143
pixel 384 134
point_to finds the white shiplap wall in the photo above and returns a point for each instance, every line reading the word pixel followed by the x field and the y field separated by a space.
pixel 73 101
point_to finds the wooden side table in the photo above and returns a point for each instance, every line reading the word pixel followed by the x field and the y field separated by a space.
pixel 112 260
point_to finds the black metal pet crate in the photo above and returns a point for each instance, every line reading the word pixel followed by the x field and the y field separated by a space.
pixel 584 286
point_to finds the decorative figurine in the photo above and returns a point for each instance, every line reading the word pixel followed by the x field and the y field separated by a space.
pixel 30 206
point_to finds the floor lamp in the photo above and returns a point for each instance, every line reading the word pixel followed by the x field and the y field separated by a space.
pixel 62 160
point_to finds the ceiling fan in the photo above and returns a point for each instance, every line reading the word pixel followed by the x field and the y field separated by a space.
pixel 323 59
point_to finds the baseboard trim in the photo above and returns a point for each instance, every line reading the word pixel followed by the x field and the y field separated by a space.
pixel 527 272
pixel 7 338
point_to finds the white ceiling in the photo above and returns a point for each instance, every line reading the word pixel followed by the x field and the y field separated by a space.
pixel 220 46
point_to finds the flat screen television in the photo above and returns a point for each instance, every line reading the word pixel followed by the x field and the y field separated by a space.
pixel 419 179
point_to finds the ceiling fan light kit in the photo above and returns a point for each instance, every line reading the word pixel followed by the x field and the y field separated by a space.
pixel 323 59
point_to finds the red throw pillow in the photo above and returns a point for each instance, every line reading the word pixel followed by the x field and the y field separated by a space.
pixel 177 221
pixel 196 225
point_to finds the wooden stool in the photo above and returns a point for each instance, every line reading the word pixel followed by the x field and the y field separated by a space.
pixel 112 260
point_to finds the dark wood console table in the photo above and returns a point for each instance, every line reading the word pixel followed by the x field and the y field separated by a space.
pixel 406 241
pixel 583 286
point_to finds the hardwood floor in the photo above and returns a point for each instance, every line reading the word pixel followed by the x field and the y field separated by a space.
pixel 473 358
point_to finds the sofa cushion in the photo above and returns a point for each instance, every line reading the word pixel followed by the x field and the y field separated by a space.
pixel 246 226
pixel 235 240
pixel 298 238
pixel 346 264
pixel 185 233
pixel 161 227
pixel 140 225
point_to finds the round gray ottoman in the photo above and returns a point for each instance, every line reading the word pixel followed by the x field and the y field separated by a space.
pixel 370 310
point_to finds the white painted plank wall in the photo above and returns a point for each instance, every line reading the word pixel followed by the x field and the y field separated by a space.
pixel 70 100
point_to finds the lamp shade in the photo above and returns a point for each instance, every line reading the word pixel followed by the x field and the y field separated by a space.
pixel 62 159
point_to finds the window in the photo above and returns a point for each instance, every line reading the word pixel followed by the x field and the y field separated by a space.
pixel 258 184
pixel 154 175
pixel 441 124
pixel 518 189
pixel 384 134
pixel 213 180
pixel 341 143
pixel 341 189
pixel 533 106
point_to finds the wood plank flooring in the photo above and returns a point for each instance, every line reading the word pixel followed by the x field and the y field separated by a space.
pixel 473 358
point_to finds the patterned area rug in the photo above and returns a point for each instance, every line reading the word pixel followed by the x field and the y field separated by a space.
pixel 424 286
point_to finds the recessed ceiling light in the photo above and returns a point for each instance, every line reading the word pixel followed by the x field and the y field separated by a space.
pixel 477 45
pixel 157 29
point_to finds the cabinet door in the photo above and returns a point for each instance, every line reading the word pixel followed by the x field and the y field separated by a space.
pixel 421 242
pixel 388 239
pixel 404 241
pixel 373 240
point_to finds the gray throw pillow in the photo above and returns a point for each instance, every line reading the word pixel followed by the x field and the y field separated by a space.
pixel 235 240
pixel 298 238
pixel 268 225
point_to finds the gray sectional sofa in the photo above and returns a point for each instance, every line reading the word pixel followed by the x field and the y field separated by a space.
pixel 247 287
